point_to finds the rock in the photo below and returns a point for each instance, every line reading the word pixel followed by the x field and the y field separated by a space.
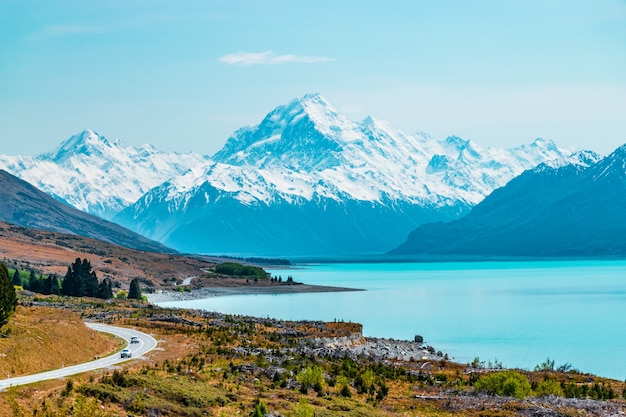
pixel 418 339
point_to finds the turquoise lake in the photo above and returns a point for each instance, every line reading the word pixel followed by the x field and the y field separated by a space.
pixel 519 313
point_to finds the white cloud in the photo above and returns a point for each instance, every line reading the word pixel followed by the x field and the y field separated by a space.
pixel 268 58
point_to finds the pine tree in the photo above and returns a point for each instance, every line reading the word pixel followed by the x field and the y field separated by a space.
pixel 50 285
pixel 134 292
pixel 33 282
pixel 70 282
pixel 8 298
pixel 105 289
pixel 91 284
pixel 45 285
pixel 17 278
pixel 54 285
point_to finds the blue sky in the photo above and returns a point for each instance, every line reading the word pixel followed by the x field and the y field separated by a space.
pixel 183 75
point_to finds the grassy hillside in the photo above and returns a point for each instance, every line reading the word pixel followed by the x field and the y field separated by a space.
pixel 43 338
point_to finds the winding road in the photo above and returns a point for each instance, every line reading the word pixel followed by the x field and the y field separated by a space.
pixel 145 345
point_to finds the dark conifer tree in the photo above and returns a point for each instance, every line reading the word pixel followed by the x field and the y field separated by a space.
pixel 105 289
pixel 70 282
pixel 91 284
pixel 45 285
pixel 80 280
pixel 50 285
pixel 54 285
pixel 17 279
pixel 8 298
pixel 33 282
pixel 134 292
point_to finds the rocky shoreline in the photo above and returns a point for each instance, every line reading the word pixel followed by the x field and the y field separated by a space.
pixel 162 296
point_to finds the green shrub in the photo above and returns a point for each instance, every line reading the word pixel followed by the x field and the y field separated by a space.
pixel 304 409
pixel 506 383
pixel 310 377
pixel 260 409
pixel 549 387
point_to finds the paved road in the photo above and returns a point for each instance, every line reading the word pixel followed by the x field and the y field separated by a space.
pixel 145 345
pixel 187 281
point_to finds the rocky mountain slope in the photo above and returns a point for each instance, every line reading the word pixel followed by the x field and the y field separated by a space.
pixel 96 175
pixel 308 181
pixel 573 208
pixel 24 205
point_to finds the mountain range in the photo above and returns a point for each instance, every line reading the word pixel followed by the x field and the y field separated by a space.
pixel 98 176
pixel 571 208
pixel 304 181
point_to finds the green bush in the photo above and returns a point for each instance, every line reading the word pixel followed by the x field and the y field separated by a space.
pixel 549 387
pixel 260 409
pixel 507 383
pixel 310 377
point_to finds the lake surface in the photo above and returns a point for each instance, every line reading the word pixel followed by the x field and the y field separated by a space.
pixel 519 313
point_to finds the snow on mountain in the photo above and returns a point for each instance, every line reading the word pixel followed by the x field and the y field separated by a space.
pixel 330 177
pixel 579 160
pixel 96 175
pixel 306 149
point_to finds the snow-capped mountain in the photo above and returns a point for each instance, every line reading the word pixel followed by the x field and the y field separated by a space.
pixel 573 207
pixel 307 149
pixel 96 175
pixel 307 180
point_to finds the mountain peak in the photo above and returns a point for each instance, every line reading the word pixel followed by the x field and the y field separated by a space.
pixel 547 144
pixel 612 166
pixel 305 129
pixel 315 106
pixel 83 143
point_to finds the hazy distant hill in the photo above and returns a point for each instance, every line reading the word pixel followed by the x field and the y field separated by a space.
pixel 576 208
pixel 24 205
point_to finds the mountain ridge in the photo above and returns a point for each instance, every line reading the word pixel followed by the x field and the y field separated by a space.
pixel 26 206
pixel 558 209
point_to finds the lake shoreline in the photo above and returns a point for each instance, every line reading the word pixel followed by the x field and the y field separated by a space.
pixel 163 296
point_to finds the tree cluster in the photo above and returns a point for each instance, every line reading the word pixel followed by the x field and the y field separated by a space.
pixel 81 281
pixel 235 269
pixel 8 298
pixel 41 284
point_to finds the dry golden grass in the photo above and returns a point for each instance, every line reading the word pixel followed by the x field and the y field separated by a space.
pixel 42 339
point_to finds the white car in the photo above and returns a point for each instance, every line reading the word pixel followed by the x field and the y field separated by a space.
pixel 134 339
pixel 126 353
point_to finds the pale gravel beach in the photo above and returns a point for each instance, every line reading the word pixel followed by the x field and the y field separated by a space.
pixel 162 296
